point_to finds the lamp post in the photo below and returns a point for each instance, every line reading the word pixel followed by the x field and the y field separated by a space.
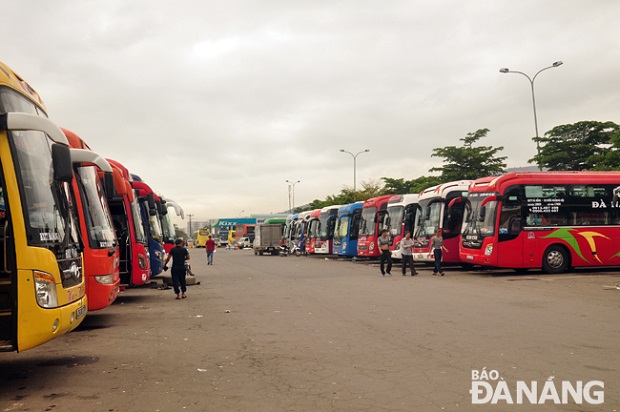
pixel 241 213
pixel 354 163
pixel 291 185
pixel 531 80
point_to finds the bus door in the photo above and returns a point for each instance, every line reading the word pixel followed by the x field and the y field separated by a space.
pixel 515 246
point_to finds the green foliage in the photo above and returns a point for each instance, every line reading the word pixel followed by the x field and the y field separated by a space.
pixel 586 145
pixel 402 186
pixel 469 162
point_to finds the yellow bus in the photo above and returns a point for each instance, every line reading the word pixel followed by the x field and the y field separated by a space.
pixel 200 237
pixel 42 289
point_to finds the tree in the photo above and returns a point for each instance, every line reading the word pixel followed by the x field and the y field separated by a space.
pixel 580 146
pixel 402 186
pixel 469 162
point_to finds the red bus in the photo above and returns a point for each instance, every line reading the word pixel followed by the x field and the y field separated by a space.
pixel 127 219
pixel 375 218
pixel 548 220
pixel 101 252
pixel 440 208
pixel 313 230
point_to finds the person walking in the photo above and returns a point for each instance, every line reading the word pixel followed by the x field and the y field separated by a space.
pixel 406 245
pixel 210 248
pixel 438 248
pixel 386 256
pixel 179 255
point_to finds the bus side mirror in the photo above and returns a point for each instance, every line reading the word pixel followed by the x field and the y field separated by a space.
pixel 108 185
pixel 62 163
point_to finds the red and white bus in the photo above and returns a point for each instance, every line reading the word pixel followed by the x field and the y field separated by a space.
pixel 327 223
pixel 374 220
pixel 548 220
pixel 401 210
pixel 440 208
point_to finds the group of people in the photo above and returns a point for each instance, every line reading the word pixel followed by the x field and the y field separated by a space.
pixel 406 246
pixel 180 255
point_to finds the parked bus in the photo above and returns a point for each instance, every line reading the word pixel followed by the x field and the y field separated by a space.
pixel 168 229
pixel 312 232
pixel 375 218
pixel 42 290
pixel 101 251
pixel 150 208
pixel 134 266
pixel 327 224
pixel 289 230
pixel 543 220
pixel 441 208
pixel 401 210
pixel 300 229
pixel 201 236
pixel 347 229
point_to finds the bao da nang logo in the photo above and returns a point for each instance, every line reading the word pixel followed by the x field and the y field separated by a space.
pixel 488 387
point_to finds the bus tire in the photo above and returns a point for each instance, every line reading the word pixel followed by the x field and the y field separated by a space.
pixel 555 260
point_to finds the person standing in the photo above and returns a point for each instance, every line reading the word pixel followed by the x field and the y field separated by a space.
pixel 179 255
pixel 406 245
pixel 438 248
pixel 386 256
pixel 210 248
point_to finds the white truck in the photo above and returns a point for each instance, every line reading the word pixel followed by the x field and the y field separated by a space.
pixel 267 238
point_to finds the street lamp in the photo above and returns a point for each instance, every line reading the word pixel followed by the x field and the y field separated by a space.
pixel 291 185
pixel 241 213
pixel 354 163
pixel 531 80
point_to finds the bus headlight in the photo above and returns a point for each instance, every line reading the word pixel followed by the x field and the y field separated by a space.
pixel 45 288
pixel 344 245
pixel 142 262
pixel 488 251
pixel 160 255
pixel 104 279
pixel 372 245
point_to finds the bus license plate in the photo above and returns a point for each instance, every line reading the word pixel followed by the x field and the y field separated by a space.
pixel 81 311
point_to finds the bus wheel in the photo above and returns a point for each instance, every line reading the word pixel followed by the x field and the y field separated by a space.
pixel 555 260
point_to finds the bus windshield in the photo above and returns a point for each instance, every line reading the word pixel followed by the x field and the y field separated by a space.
pixel 396 214
pixel 155 227
pixel 137 222
pixel 326 230
pixel 342 228
pixel 479 221
pixel 428 218
pixel 168 227
pixel 45 222
pixel 100 228
pixel 367 225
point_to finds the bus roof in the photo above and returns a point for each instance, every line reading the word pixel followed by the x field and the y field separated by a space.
pixel 328 208
pixel 443 189
pixel 403 200
pixel 351 207
pixel 499 183
pixel 377 201
pixel 11 79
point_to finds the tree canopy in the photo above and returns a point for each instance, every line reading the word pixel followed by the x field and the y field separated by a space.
pixel 468 161
pixel 585 145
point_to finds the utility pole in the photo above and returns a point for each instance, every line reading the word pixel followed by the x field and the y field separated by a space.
pixel 190 225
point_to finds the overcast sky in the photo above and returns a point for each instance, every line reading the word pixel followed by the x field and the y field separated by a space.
pixel 216 103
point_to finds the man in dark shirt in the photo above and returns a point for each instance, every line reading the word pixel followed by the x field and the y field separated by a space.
pixel 179 255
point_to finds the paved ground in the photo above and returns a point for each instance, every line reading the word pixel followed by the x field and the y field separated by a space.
pixel 309 334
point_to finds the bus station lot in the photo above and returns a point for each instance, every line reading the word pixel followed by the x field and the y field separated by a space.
pixel 271 333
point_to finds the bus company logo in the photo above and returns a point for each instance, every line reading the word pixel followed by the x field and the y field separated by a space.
pixel 488 387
